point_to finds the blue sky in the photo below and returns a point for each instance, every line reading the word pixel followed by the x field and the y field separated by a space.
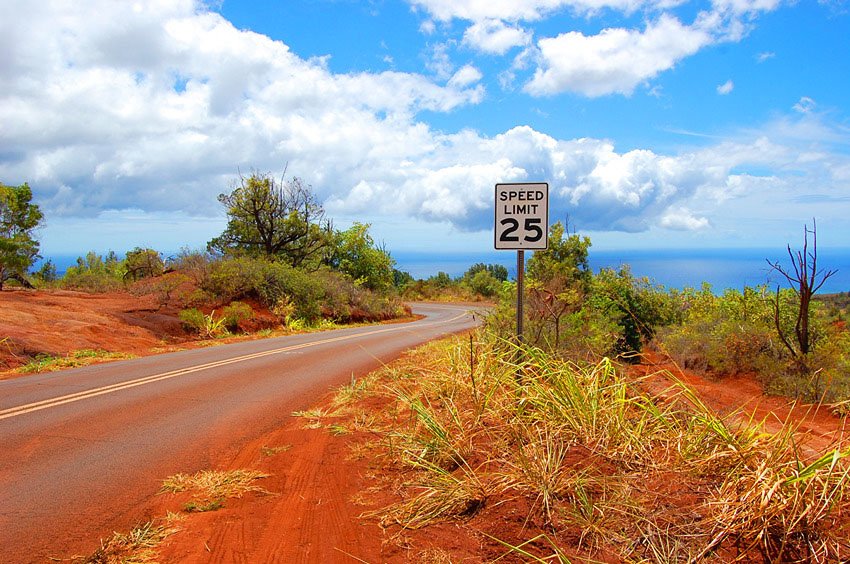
pixel 657 123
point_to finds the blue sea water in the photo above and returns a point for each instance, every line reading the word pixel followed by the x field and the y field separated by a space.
pixel 722 268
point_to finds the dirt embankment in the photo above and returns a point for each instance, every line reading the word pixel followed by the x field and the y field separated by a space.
pixel 58 322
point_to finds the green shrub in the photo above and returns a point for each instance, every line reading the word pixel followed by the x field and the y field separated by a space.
pixel 205 325
pixel 95 274
pixel 234 313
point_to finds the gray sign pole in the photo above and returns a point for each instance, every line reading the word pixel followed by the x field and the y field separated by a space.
pixel 520 294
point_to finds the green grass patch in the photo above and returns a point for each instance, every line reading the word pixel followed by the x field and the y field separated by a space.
pixel 76 359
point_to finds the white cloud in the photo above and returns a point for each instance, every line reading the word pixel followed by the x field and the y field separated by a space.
pixel 97 132
pixel 428 27
pixel 493 36
pixel 765 56
pixel 726 88
pixel 95 125
pixel 805 105
pixel 682 219
pixel 614 61
pixel 466 76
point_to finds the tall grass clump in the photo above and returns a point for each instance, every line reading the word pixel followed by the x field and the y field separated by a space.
pixel 478 428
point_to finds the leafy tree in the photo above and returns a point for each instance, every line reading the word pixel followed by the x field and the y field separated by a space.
pixel 440 280
pixel 277 220
pixel 484 283
pixel 47 272
pixel 94 273
pixel 559 279
pixel 356 254
pixel 18 220
pixel 402 278
pixel 565 259
pixel 497 271
pixel 143 263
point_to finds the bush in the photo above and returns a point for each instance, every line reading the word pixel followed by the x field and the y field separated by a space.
pixel 234 314
pixel 205 325
pixel 95 274
pixel 294 294
pixel 728 334
pixel 736 333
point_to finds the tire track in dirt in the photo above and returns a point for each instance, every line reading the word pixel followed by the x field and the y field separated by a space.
pixel 307 516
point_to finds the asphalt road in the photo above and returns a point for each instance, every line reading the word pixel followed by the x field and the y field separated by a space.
pixel 82 450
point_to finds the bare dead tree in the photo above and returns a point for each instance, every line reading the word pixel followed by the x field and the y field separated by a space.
pixel 805 280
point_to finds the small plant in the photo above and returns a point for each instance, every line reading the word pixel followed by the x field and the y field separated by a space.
pixel 196 506
pixel 235 313
pixel 206 325
pixel 599 466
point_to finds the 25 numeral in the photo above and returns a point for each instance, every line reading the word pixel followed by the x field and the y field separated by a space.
pixel 532 227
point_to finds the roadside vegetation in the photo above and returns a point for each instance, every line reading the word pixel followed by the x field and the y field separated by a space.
pixel 542 459
pixel 796 343
pixel 84 357
pixel 137 546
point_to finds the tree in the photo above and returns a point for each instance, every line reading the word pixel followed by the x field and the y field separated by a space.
pixel 805 280
pixel 276 220
pixel 497 271
pixel 401 278
pixel 356 254
pixel 18 220
pixel 143 263
pixel 559 278
pixel 484 283
pixel 47 273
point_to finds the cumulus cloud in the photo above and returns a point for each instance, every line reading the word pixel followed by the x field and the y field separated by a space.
pixel 726 88
pixel 614 61
pixel 682 219
pixel 597 186
pixel 95 124
pixel 464 77
pixel 493 36
pixel 96 129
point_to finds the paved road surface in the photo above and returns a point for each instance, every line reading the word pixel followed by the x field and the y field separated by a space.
pixel 82 450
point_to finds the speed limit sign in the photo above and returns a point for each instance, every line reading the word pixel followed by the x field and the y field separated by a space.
pixel 522 216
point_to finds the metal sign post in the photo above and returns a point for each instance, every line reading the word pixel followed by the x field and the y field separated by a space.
pixel 520 293
pixel 521 222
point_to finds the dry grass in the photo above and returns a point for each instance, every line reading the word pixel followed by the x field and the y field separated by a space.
pixel 136 547
pixel 603 468
pixel 209 488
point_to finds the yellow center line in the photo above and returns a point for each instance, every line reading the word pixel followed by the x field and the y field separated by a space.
pixel 44 404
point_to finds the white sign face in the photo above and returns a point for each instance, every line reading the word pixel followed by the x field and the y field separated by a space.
pixel 522 216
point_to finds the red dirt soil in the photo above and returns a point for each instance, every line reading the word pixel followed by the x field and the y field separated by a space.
pixel 318 488
pixel 58 322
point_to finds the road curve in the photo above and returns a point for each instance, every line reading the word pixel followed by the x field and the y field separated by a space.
pixel 83 450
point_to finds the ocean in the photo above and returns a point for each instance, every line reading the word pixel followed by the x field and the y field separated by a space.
pixel 722 268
